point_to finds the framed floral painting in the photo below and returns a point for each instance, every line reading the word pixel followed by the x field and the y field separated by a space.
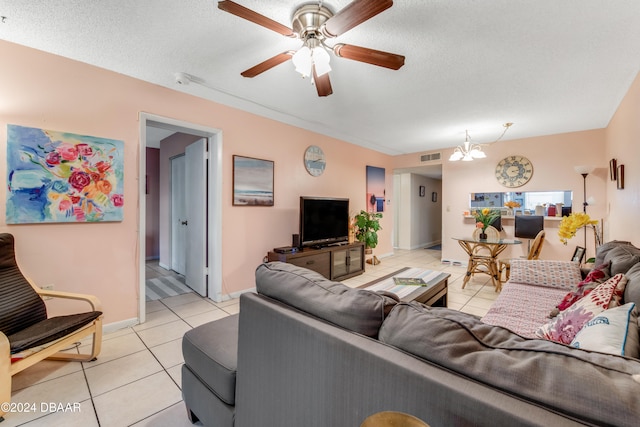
pixel 63 177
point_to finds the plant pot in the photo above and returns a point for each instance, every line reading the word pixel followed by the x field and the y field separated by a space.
pixel 483 236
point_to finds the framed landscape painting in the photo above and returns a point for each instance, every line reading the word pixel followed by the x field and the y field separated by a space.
pixel 252 181
pixel 57 176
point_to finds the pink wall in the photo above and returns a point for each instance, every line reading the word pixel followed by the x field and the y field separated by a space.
pixel 51 92
pixel 623 144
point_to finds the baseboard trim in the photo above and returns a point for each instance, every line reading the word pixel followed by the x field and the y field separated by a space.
pixel 116 326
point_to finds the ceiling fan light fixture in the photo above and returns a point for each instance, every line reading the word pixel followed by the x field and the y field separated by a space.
pixel 321 59
pixel 302 61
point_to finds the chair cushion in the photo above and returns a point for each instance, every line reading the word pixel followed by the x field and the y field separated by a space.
pixel 211 353
pixel 20 304
pixel 49 330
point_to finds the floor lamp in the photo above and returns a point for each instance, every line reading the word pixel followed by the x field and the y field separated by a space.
pixel 584 170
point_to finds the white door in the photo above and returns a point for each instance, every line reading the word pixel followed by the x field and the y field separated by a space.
pixel 196 202
pixel 179 219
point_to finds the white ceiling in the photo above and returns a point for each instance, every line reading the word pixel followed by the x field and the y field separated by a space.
pixel 549 66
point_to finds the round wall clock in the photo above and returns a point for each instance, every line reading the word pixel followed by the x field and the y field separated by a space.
pixel 314 160
pixel 514 171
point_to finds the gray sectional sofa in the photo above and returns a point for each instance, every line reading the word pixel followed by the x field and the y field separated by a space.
pixel 305 351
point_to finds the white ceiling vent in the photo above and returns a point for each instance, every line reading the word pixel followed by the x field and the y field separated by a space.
pixel 429 157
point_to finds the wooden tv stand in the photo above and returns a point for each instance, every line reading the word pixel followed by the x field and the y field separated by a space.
pixel 333 262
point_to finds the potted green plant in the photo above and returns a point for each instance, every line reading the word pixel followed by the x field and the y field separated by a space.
pixel 367 225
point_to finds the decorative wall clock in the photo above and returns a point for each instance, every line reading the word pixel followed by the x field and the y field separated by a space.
pixel 514 171
pixel 314 160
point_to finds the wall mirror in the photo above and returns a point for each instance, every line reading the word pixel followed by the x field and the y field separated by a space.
pixel 528 200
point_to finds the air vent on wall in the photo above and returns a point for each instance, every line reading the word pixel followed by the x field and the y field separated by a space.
pixel 428 157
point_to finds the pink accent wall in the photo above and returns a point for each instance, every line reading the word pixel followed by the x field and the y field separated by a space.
pixel 623 144
pixel 44 90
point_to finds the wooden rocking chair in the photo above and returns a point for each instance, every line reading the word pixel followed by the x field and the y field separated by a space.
pixel 27 336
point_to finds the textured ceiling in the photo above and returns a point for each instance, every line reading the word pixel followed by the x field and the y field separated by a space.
pixel 549 66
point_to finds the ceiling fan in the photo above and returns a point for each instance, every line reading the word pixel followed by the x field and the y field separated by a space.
pixel 314 24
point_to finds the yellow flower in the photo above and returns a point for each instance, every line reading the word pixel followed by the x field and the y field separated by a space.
pixel 572 223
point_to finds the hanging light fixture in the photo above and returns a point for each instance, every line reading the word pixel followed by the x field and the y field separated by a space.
pixel 469 151
pixel 311 54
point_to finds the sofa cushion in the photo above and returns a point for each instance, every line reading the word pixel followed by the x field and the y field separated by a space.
pixel 622 258
pixel 596 276
pixel 564 327
pixel 211 353
pixel 603 249
pixel 523 308
pixel 632 291
pixel 556 274
pixel 358 310
pixel 613 331
pixel 601 386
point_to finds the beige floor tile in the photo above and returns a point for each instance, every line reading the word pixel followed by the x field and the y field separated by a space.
pixel 157 318
pixel 193 308
pixel 115 348
pixel 82 415
pixel 117 373
pixel 176 374
pixel 480 303
pixel 151 306
pixel 164 333
pixel 173 416
pixel 169 354
pixel 181 299
pixel 70 388
pixel 137 401
pixel 201 319
pixel 43 371
pixel 233 308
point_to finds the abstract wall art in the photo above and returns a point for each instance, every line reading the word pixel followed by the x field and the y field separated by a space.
pixel 63 177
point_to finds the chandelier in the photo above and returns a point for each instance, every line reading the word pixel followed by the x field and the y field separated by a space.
pixel 469 151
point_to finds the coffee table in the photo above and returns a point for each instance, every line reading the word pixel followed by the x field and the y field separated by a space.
pixel 433 294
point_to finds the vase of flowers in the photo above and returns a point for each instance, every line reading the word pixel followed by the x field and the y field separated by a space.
pixel 484 218
pixel 511 205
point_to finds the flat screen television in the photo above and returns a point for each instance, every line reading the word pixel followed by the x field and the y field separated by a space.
pixel 323 221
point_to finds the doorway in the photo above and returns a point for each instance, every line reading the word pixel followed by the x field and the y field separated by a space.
pixel 211 214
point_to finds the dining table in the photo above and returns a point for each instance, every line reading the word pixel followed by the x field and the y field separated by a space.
pixel 483 256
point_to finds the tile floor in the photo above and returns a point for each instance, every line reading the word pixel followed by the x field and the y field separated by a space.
pixel 136 380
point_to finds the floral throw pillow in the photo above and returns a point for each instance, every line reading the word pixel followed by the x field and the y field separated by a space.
pixel 593 279
pixel 613 331
pixel 568 323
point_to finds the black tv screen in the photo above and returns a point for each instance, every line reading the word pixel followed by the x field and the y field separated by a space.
pixel 323 221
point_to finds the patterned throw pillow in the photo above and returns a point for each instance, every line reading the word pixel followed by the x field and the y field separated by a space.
pixel 569 322
pixel 552 274
pixel 593 279
pixel 613 331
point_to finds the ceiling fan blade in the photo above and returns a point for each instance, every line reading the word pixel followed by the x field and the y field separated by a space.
pixel 323 84
pixel 248 14
pixel 370 56
pixel 267 65
pixel 354 14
